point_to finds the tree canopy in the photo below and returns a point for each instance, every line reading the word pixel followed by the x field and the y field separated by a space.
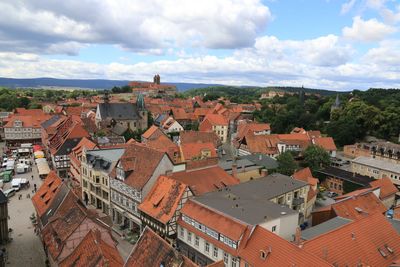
pixel 286 162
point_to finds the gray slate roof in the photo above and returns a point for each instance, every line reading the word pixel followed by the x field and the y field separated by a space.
pixel 262 160
pixel 119 111
pixel 378 164
pixel 104 159
pixel 324 227
pixel 250 201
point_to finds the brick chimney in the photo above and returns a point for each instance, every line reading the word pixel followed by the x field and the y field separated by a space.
pixel 234 169
pixel 297 236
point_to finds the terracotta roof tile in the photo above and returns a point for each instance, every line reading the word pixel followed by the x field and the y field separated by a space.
pixel 46 193
pixel 193 151
pixel 153 251
pixel 216 119
pixel 152 130
pixel 326 143
pixel 367 203
pixel 93 251
pixel 162 201
pixel 279 252
pixel 358 242
pixel 139 162
pixel 305 175
pixel 205 180
pixel 199 137
pixel 387 187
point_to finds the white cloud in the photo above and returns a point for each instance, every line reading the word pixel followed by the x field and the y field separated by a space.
pixel 35 25
pixel 346 7
pixel 367 30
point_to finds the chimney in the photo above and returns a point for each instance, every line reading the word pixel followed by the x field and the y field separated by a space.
pixel 297 236
pixel 234 169
pixel 264 172
pixel 97 235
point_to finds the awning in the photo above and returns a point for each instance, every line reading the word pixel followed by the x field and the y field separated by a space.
pixel 37 148
pixel 39 154
pixel 43 168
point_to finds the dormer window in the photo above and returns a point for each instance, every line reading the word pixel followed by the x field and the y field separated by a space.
pixel 17 123
pixel 120 172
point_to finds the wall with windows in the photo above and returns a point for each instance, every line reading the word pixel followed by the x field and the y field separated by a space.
pixel 209 250
pixel 284 226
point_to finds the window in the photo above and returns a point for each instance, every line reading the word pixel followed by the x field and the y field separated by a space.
pixel 234 262
pixel 182 232
pixel 215 252
pixel 207 247
pixel 189 237
pixel 196 241
pixel 226 258
pixel 273 228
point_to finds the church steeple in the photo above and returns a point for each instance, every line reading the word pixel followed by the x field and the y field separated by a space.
pixel 140 102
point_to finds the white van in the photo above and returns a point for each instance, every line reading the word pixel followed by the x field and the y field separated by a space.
pixel 16 183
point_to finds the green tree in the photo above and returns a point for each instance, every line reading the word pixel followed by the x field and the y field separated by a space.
pixel 316 157
pixel 286 163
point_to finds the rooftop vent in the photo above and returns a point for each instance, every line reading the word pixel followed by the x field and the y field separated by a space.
pixel 264 253
pixel 382 252
pixel 359 210
pixel 391 251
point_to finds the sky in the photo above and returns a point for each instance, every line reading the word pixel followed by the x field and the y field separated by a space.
pixel 327 44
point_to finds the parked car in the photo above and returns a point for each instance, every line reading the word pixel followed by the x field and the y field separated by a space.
pixel 322 188
pixel 9 192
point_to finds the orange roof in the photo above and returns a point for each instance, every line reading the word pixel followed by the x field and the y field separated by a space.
pixel 366 203
pixel 199 137
pixel 153 251
pixel 205 180
pixel 265 144
pixel 217 264
pixel 164 144
pixel 216 119
pixel 193 151
pixel 162 201
pixel 279 251
pixel 387 187
pixel 153 129
pixel 202 111
pixel 326 143
pixel 93 251
pixel 251 128
pixel 305 175
pixel 139 163
pixel 46 193
pixel 27 120
pixel 29 112
pixel 358 242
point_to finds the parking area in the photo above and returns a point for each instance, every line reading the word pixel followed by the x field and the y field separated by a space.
pixel 25 248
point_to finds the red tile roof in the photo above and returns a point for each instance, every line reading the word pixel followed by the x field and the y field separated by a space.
pixel 326 143
pixel 164 144
pixel 366 203
pixel 205 180
pixel 193 151
pixel 279 252
pixel 265 144
pixel 305 175
pixel 68 226
pixel 46 193
pixel 245 128
pixel 139 162
pixel 387 187
pixel 216 119
pixel 199 137
pixel 27 121
pixel 29 112
pixel 93 251
pixel 358 242
pixel 162 201
pixel 153 251
pixel 151 131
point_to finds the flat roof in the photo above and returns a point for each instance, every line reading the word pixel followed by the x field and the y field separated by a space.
pixel 324 227
pixel 347 176
pixel 250 202
pixel 378 164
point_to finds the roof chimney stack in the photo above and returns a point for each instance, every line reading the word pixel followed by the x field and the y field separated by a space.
pixel 234 169
pixel 264 172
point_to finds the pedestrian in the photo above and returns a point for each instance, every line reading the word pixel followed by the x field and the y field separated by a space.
pixel 32 177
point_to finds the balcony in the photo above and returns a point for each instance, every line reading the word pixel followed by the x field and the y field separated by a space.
pixel 298 201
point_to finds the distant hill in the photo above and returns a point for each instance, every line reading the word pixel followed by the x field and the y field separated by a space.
pixel 98 84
